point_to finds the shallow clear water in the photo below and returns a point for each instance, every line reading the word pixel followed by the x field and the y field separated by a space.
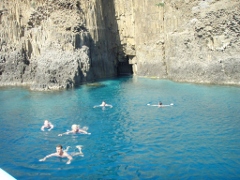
pixel 197 138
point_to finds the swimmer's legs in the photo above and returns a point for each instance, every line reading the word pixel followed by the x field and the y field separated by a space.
pixel 85 128
pixel 67 148
pixel 79 147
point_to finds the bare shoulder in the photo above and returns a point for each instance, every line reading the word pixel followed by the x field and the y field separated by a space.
pixel 65 154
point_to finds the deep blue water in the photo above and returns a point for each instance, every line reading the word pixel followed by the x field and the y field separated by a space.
pixel 197 138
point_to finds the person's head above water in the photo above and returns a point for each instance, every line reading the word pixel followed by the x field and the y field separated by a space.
pixel 103 103
pixel 59 149
pixel 46 123
pixel 75 127
pixel 160 103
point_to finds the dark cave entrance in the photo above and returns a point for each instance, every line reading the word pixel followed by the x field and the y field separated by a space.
pixel 124 69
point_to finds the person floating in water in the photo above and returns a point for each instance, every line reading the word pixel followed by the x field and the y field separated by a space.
pixel 48 125
pixel 63 153
pixel 160 105
pixel 76 129
pixel 103 105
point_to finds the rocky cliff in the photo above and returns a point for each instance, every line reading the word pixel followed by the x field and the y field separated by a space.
pixel 56 44
pixel 183 40
pixel 59 44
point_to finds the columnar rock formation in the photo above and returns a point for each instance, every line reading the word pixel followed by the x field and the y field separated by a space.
pixel 58 44
pixel 55 44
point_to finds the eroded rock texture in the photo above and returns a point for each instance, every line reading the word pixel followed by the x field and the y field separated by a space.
pixel 52 44
pixel 59 44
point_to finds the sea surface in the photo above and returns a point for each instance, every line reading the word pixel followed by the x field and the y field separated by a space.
pixel 196 138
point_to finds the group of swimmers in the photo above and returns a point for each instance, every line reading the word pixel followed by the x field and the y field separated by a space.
pixel 60 152
pixel 75 128
pixel 59 149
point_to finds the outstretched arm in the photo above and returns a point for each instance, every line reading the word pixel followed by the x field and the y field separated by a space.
pixel 98 106
pixel 83 131
pixel 42 128
pixel 48 156
pixel 152 104
pixel 65 133
pixel 69 159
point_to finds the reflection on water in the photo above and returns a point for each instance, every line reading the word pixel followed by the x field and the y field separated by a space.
pixel 197 138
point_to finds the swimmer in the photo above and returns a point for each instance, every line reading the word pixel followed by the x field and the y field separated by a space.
pixel 76 129
pixel 160 105
pixel 59 153
pixel 48 125
pixel 103 105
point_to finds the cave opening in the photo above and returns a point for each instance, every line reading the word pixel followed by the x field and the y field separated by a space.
pixel 124 69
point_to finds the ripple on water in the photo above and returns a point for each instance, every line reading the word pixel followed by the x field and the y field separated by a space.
pixel 197 138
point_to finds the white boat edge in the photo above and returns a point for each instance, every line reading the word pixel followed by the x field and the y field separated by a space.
pixel 4 175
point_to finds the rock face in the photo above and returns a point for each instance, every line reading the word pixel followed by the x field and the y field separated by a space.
pixel 59 44
pixel 208 48
pixel 52 44
pixel 183 40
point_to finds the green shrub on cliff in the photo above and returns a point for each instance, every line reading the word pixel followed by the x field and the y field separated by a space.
pixel 160 4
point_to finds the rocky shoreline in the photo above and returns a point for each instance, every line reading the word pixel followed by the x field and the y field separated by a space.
pixel 54 45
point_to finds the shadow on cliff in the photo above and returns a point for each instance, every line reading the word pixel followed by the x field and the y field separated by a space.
pixel 106 53
pixel 116 46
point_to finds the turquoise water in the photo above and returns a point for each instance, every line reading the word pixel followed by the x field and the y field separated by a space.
pixel 197 138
